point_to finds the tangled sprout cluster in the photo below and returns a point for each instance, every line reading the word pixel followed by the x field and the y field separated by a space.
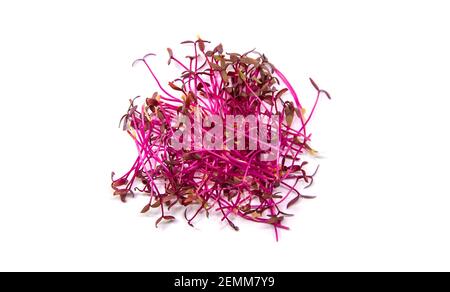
pixel 234 181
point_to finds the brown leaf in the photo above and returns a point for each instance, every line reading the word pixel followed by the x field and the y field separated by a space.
pixel 191 156
pixel 187 42
pixel 318 89
pixel 249 61
pixel 295 168
pixel 157 221
pixel 314 84
pixel 201 45
pixel 275 219
pixel 169 197
pixel 268 99
pixel 299 112
pixel 256 214
pixel 174 87
pixel 280 93
pixel 245 208
pixel 191 97
pixel 145 209
pixel 326 93
pixel 119 182
pixel 170 55
pixel 121 192
pixel 293 201
pixel 156 204
pixel 289 111
pixel 151 102
pixel 219 49
pixel 234 58
pixel 308 197
pixel 297 141
pixel 214 66
pixel 311 151
pixel 169 218
pixel 159 114
pixel 289 118
pixel 148 55
pixel 200 87
pixel 233 226
pixel 286 214
pixel 266 196
pixel 224 76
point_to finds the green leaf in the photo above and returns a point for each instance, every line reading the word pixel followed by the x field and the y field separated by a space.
pixel 242 76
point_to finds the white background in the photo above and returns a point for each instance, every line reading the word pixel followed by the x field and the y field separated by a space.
pixel 65 80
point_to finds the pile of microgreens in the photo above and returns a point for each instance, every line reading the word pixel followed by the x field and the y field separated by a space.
pixel 235 183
